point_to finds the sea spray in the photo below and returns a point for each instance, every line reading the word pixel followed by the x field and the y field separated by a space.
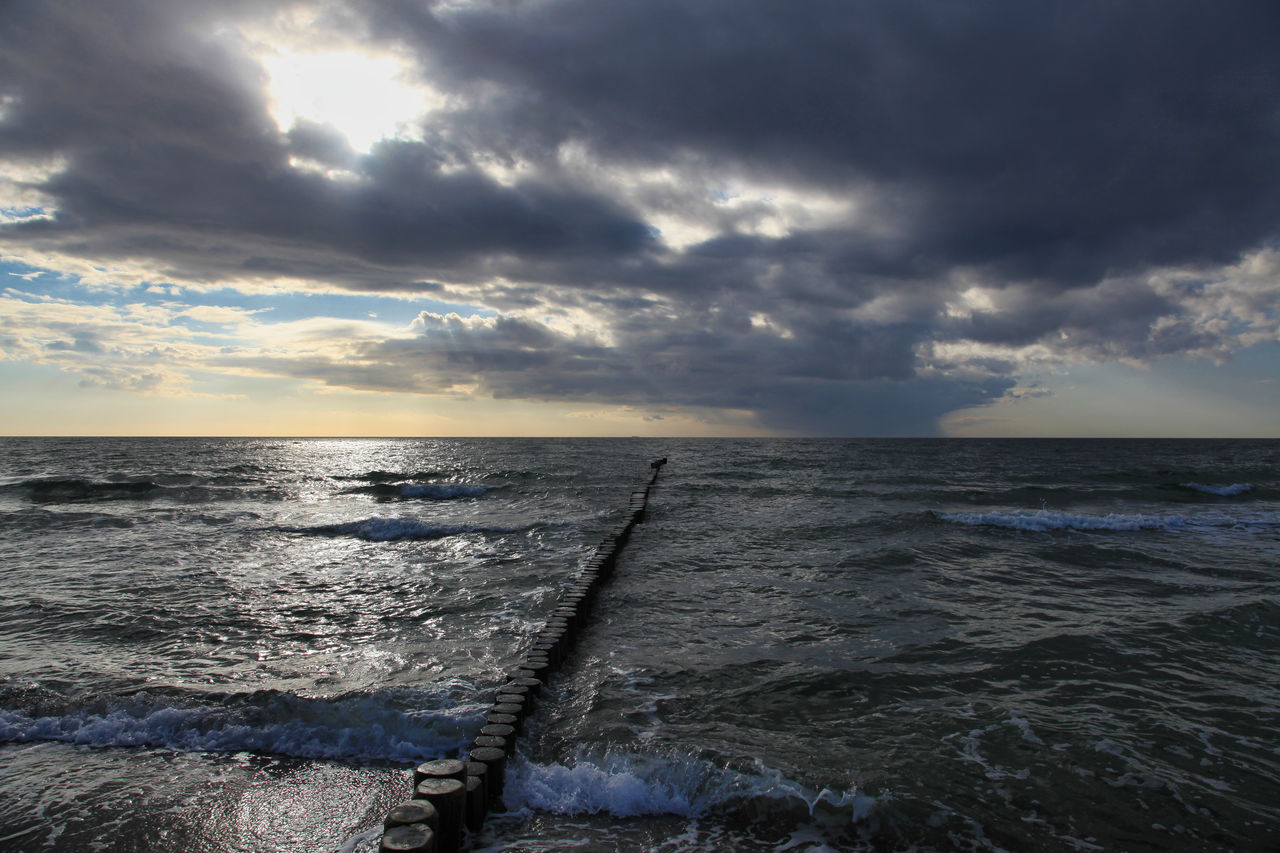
pixel 626 783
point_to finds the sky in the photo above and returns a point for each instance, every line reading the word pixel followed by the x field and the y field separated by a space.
pixel 640 217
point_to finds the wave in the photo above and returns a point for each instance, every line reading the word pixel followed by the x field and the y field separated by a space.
pixel 75 489
pixel 430 491
pixel 29 520
pixel 1222 491
pixel 365 726
pixel 179 488
pixel 378 529
pixel 388 476
pixel 1090 493
pixel 1045 520
pixel 625 784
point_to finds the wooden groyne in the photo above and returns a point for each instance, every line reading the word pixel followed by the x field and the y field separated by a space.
pixel 453 795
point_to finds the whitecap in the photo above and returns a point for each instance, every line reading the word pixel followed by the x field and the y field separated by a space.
pixel 626 784
pixel 1221 491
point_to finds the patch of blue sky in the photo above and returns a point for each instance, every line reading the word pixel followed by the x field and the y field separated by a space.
pixel 268 307
pixel 21 276
pixel 351 306
pixel 19 212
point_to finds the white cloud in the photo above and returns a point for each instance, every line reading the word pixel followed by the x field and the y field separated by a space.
pixel 219 315
pixel 20 198
pixel 147 349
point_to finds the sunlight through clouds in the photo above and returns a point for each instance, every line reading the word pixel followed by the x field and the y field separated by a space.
pixel 316 71
pixel 365 98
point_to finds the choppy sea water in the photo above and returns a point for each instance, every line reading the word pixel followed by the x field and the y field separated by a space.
pixel 241 645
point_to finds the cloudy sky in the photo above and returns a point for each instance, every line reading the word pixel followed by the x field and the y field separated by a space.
pixel 702 217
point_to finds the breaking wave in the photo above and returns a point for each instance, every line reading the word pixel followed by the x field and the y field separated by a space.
pixel 625 784
pixel 1221 491
pixel 428 491
pixel 378 529
pixel 362 726
pixel 1044 520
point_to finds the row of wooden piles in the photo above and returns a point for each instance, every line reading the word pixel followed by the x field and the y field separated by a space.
pixel 452 796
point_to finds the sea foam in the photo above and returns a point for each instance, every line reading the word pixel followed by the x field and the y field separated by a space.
pixel 621 785
pixel 359 726
pixel 626 784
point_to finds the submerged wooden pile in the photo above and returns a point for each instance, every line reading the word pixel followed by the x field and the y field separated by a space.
pixel 455 793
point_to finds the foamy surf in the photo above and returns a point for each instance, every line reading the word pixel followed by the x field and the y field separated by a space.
pixel 629 784
pixel 358 726
pixel 620 785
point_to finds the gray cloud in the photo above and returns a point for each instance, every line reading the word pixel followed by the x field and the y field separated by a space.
pixel 171 155
pixel 1056 155
pixel 1055 140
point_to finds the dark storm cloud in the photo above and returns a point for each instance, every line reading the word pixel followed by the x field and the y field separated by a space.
pixel 841 385
pixel 1054 140
pixel 1054 152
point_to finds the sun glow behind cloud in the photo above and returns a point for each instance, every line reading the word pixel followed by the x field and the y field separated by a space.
pixel 364 97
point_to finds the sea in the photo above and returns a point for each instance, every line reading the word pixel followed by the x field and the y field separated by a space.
pixel 214 645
